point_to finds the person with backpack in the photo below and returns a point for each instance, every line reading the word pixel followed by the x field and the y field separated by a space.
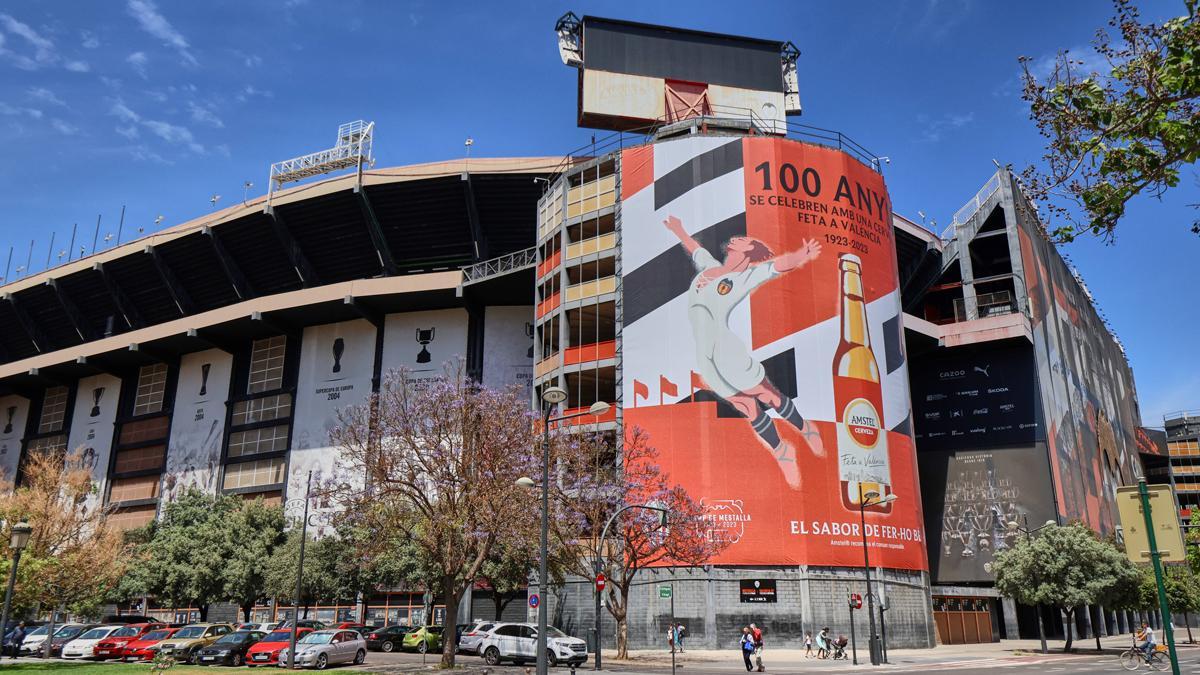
pixel 757 634
pixel 747 646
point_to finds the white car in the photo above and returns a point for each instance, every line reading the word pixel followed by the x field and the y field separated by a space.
pixel 81 647
pixel 469 642
pixel 517 642
pixel 323 648
pixel 34 640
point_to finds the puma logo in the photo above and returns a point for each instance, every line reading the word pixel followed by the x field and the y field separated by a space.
pixel 983 370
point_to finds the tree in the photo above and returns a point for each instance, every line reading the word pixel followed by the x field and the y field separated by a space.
pixel 1064 567
pixel 637 539
pixel 257 530
pixel 440 458
pixel 507 571
pixel 75 557
pixel 1181 585
pixel 1112 136
pixel 184 562
pixel 320 583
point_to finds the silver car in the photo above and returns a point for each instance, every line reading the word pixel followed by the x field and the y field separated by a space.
pixel 324 648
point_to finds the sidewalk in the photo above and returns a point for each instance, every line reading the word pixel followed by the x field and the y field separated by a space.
pixel 989 653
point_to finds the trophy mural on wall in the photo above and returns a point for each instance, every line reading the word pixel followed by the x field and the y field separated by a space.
pixel 529 334
pixel 204 378
pixel 12 411
pixel 424 337
pixel 339 346
pixel 97 394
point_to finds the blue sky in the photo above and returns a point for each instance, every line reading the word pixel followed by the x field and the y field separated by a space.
pixel 160 106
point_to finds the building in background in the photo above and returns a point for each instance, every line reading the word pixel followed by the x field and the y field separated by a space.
pixel 1182 439
pixel 736 284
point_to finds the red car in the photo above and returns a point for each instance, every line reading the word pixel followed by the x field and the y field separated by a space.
pixel 266 651
pixel 113 646
pixel 144 647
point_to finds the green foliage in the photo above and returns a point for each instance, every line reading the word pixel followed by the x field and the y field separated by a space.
pixel 1065 567
pixel 256 530
pixel 1182 586
pixel 1117 134
pixel 319 578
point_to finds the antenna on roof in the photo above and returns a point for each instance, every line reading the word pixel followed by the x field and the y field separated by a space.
pixel 50 250
pixel 353 149
pixel 246 190
pixel 213 200
pixel 121 225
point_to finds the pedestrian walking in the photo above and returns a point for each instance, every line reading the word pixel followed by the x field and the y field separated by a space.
pixel 823 643
pixel 808 653
pixel 757 633
pixel 671 637
pixel 747 647
pixel 16 637
pixel 679 631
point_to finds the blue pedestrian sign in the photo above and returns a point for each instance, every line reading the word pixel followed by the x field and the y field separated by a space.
pixel 534 600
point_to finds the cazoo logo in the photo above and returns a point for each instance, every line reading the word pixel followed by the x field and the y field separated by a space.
pixel 726 520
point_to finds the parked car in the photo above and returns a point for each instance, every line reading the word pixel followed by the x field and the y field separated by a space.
pixel 469 642
pixel 65 634
pixel 386 639
pixel 129 618
pixel 229 649
pixel 351 625
pixel 33 641
pixel 145 647
pixel 423 639
pixel 190 639
pixel 83 647
pixel 304 623
pixel 264 627
pixel 323 648
pixel 517 642
pixel 266 651
pixel 113 646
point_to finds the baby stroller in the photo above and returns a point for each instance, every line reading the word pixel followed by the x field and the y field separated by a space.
pixel 839 647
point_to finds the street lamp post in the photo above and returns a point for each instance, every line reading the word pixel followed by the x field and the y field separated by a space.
pixel 551 397
pixel 600 560
pixel 20 539
pixel 299 578
pixel 1014 526
pixel 872 638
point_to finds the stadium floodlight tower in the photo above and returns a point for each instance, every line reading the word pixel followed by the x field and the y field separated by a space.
pixel 353 149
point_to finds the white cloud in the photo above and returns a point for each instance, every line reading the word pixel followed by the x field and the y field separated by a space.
pixel 250 91
pixel 138 61
pixel 44 53
pixel 148 17
pixel 130 132
pixel 204 115
pixel 1084 60
pixel 248 60
pixel 11 110
pixel 933 128
pixel 46 96
pixel 171 133
pixel 64 128
pixel 90 41
pixel 77 66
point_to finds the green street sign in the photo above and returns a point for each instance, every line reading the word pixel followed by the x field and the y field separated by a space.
pixel 664 591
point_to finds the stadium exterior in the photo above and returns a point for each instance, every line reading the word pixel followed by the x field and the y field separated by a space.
pixel 963 375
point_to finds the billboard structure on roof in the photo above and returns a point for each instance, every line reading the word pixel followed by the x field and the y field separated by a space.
pixel 635 76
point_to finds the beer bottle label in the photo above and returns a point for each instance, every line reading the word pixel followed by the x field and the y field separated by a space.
pixel 862 440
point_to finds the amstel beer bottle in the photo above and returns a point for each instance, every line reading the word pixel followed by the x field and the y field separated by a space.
pixel 862 438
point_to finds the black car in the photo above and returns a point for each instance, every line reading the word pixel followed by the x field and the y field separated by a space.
pixel 386 639
pixel 229 649
pixel 127 619
pixel 304 623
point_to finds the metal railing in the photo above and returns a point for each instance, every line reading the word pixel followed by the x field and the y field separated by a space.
pixel 972 206
pixel 986 304
pixel 502 265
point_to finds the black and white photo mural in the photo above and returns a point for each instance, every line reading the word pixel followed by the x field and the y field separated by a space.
pixel 508 347
pixel 92 423
pixel 13 412
pixel 198 425
pixel 423 342
pixel 336 364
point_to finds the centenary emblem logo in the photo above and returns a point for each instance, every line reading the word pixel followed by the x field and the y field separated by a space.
pixel 724 287
pixel 726 519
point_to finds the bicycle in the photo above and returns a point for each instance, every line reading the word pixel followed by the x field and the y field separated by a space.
pixel 1134 657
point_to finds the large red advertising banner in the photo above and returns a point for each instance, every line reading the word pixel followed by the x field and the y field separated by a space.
pixel 762 351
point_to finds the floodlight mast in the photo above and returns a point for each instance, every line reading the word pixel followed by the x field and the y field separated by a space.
pixel 353 149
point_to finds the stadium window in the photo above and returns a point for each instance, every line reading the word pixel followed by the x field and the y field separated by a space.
pixel 54 410
pixel 151 387
pixel 266 364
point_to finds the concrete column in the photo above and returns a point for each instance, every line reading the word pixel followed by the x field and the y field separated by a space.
pixel 1068 625
pixel 710 612
pixel 806 615
pixel 1083 619
pixel 1011 627
pixel 1098 624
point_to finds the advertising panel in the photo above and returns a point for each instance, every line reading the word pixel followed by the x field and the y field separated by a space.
pixel 970 496
pixel 976 398
pixel 337 361
pixel 1152 441
pixel 13 412
pixel 92 423
pixel 1088 394
pixel 508 347
pixel 423 342
pixel 198 424
pixel 762 349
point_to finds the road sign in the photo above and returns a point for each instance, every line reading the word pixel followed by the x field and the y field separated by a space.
pixel 664 591
pixel 601 580
pixel 856 600
pixel 1168 535
pixel 534 600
